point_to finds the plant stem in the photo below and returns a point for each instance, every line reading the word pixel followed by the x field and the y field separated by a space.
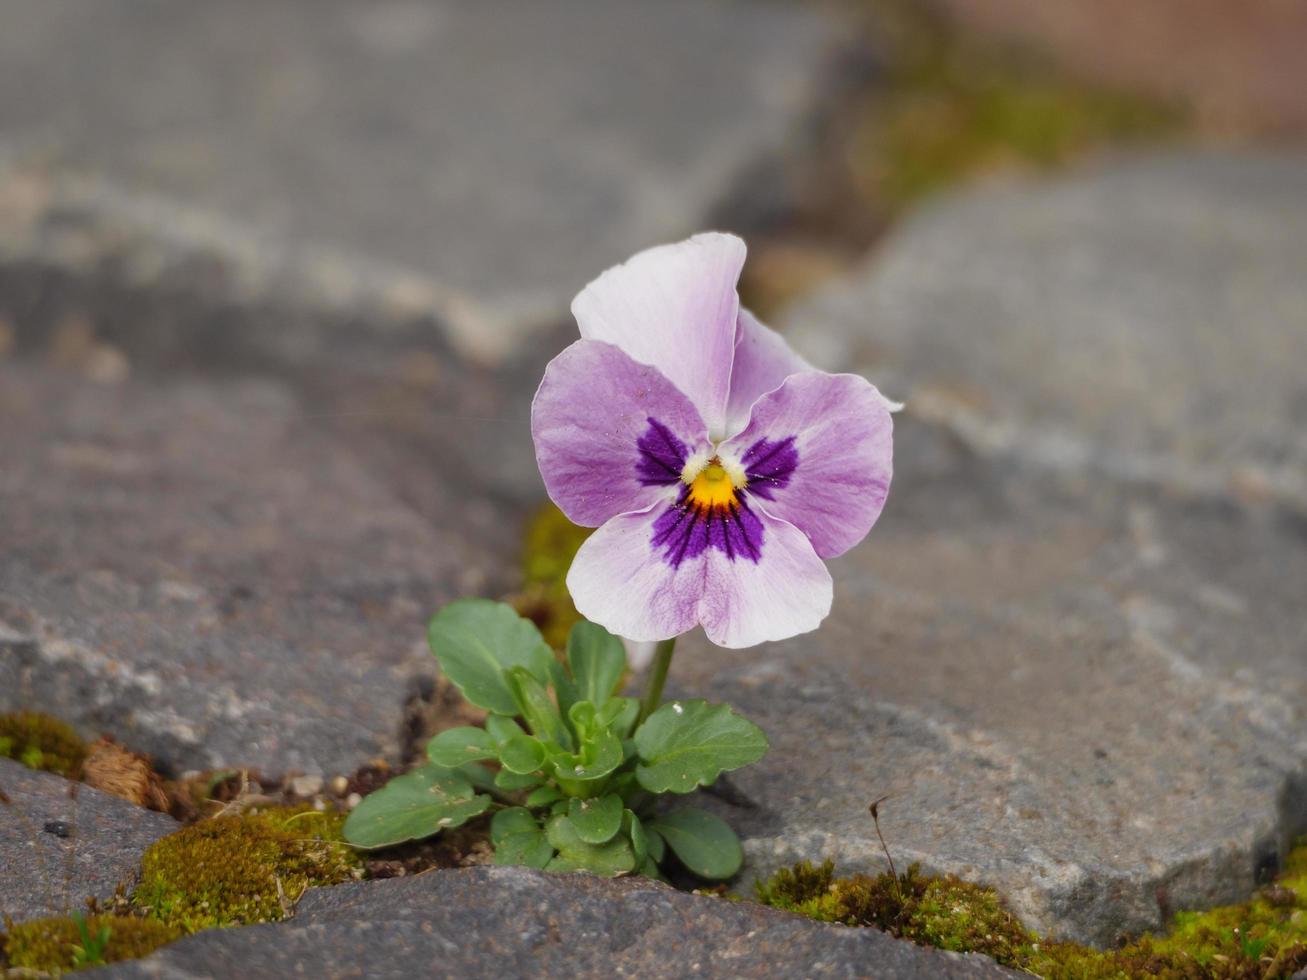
pixel 653 692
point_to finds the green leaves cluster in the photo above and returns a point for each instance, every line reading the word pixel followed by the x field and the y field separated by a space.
pixel 564 761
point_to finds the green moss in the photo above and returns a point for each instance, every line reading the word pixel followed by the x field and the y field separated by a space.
pixel 551 544
pixel 951 107
pixel 50 945
pixel 238 869
pixel 1263 938
pixel 945 912
pixel 41 742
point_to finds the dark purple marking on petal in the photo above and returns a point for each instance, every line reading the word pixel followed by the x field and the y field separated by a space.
pixel 685 530
pixel 662 456
pixel 769 465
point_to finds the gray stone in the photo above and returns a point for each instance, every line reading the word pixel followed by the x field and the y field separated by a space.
pixel 203 569
pixel 1147 318
pixel 62 843
pixel 483 160
pixel 1087 694
pixel 514 922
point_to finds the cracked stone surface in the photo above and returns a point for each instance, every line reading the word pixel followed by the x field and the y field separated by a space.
pixel 62 843
pixel 202 569
pixel 1073 649
pixel 1148 317
pixel 494 155
pixel 497 922
pixel 1086 695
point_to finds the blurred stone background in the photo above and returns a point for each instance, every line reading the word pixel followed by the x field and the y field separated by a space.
pixel 278 279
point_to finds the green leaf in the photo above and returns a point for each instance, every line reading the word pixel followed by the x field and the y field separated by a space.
pixel 415 805
pixel 687 744
pixel 654 842
pixel 479 776
pixel 619 715
pixel 537 707
pixel 543 796
pixel 634 828
pixel 704 843
pixel 596 820
pixel 476 640
pixel 597 660
pixel 522 754
pixel 456 746
pixel 531 849
pixel 501 729
pixel 512 780
pixel 597 759
pixel 513 820
pixel 612 858
pixel 518 838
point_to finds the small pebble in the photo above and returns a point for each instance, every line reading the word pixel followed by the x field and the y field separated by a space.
pixel 306 785
pixel 57 827
pixel 338 786
pixel 352 801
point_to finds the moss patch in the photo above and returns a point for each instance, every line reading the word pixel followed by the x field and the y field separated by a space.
pixel 50 945
pixel 1261 939
pixel 244 868
pixel 949 106
pixel 551 543
pixel 955 108
pixel 945 912
pixel 41 742
pixel 930 108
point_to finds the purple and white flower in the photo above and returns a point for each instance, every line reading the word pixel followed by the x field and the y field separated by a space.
pixel 719 466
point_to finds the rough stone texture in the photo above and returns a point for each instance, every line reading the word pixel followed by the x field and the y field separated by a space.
pixel 202 569
pixel 62 843
pixel 500 152
pixel 1090 697
pixel 1149 317
pixel 1073 649
pixel 501 922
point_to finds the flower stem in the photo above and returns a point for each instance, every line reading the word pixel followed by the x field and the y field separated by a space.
pixel 653 692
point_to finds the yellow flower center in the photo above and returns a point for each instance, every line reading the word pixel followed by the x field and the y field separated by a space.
pixel 713 487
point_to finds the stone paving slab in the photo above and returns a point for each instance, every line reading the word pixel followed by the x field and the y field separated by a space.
pixel 62 843
pixel 1072 650
pixel 501 922
pixel 1147 317
pixel 1088 696
pixel 482 159
pixel 203 570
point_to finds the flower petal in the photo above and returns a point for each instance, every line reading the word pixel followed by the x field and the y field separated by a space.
pixel 610 434
pixel 626 579
pixel 762 361
pixel 639 655
pixel 818 451
pixel 673 307
pixel 786 592
pixel 618 581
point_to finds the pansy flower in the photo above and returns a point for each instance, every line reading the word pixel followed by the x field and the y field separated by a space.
pixel 719 466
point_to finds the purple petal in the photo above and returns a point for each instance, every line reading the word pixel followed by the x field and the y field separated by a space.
pixel 786 593
pixel 762 361
pixel 684 531
pixel 819 451
pixel 622 579
pixel 607 432
pixel 620 582
pixel 673 307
